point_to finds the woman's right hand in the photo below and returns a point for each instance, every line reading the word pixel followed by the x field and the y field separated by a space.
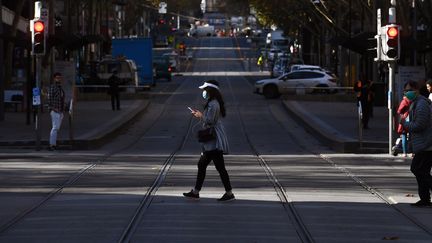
pixel 197 114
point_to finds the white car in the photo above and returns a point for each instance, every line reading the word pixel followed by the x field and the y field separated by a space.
pixel 300 81
pixel 302 67
pixel 311 67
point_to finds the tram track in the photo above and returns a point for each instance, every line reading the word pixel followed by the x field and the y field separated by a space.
pixel 146 201
pixel 369 188
pixel 75 177
pixel 292 213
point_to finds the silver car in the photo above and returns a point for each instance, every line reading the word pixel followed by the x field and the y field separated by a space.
pixel 299 82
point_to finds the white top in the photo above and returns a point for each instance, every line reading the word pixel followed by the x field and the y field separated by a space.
pixel 430 96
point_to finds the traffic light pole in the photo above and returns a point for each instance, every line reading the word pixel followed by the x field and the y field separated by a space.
pixel 38 71
pixel 391 66
pixel 37 107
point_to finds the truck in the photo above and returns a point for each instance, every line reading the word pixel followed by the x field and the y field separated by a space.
pixel 278 40
pixel 139 52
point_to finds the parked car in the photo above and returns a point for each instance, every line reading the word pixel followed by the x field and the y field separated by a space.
pixel 273 54
pixel 311 67
pixel 285 63
pixel 161 41
pixel 300 81
pixel 161 67
pixel 173 59
pixel 280 66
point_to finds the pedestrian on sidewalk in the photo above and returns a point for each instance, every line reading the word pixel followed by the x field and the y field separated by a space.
pixel 362 88
pixel 403 112
pixel 214 148
pixel 419 127
pixel 114 90
pixel 429 88
pixel 56 104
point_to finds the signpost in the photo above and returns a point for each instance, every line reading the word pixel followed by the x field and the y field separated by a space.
pixel 38 29
pixel 388 50
pixel 162 8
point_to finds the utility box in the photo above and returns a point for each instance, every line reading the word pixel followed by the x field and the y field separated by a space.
pixel 140 51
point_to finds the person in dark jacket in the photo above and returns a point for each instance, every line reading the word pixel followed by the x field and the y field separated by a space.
pixel 56 104
pixel 419 128
pixel 213 149
pixel 114 90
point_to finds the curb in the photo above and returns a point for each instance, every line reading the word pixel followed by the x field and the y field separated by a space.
pixel 330 136
pixel 94 138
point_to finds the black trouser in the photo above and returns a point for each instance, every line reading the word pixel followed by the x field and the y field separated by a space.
pixel 365 113
pixel 421 168
pixel 115 101
pixel 218 160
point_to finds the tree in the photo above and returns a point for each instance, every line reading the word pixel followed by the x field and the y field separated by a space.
pixel 10 45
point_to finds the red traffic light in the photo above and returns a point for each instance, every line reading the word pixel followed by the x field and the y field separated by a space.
pixel 392 32
pixel 39 26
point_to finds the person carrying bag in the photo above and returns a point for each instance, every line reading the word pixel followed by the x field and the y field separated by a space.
pixel 213 140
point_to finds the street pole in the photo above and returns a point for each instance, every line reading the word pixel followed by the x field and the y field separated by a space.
pixel 391 66
pixel 2 81
pixel 36 90
pixel 38 109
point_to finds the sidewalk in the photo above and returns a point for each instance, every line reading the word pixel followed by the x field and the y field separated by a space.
pixel 336 124
pixel 93 123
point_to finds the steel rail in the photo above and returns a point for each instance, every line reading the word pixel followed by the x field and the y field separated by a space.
pixel 69 182
pixel 148 197
pixel 375 192
pixel 295 218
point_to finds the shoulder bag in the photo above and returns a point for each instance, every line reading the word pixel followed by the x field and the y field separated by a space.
pixel 206 134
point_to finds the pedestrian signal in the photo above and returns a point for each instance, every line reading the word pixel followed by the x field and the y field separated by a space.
pixel 391 42
pixel 38 37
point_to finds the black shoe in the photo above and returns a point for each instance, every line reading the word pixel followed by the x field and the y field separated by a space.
pixel 52 148
pixel 422 203
pixel 395 151
pixel 191 195
pixel 227 197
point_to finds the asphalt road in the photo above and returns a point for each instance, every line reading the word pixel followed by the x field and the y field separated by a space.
pixel 289 187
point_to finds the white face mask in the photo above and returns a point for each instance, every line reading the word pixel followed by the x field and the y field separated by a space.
pixel 205 94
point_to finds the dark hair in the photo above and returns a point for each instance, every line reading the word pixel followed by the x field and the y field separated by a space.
pixel 412 84
pixel 56 74
pixel 215 94
pixel 429 81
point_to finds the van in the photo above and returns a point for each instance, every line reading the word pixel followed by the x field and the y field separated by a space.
pixel 126 70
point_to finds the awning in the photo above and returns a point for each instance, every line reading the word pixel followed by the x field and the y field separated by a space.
pixel 360 43
pixel 74 41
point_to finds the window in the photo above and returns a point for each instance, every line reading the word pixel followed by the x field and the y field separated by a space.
pixel 310 75
pixel 304 75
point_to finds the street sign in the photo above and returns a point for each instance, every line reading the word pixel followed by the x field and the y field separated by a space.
pixel 36 96
pixel 162 8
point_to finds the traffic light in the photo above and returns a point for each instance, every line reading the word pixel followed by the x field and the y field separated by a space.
pixel 390 43
pixel 38 37
pixel 377 47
